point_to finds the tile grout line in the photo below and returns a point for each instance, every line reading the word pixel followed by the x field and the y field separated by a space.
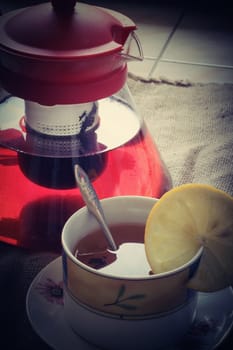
pixel 193 63
pixel 166 44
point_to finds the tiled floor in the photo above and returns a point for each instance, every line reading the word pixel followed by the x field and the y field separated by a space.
pixel 184 45
pixel 181 44
pixel 193 44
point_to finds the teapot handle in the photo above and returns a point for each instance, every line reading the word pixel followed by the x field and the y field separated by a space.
pixel 126 53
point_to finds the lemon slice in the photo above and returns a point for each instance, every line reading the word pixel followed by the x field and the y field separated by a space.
pixel 185 219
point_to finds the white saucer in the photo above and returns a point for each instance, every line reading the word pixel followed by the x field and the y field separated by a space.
pixel 44 304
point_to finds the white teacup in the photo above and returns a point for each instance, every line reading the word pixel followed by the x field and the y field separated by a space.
pixel 119 310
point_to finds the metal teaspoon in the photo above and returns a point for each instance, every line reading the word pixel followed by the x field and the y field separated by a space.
pixel 93 203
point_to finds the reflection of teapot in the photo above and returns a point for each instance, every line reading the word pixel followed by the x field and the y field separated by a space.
pixel 67 102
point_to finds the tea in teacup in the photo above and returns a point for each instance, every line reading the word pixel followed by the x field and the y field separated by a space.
pixel 130 258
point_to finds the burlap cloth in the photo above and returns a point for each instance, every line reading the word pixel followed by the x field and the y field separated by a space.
pixel 192 126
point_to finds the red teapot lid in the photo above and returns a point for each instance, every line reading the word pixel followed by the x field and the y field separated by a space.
pixel 62 52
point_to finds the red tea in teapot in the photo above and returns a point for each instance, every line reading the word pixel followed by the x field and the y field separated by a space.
pixel 38 191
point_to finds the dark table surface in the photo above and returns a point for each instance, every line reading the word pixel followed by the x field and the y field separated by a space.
pixel 18 268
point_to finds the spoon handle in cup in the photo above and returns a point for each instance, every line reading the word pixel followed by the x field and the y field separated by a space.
pixel 93 204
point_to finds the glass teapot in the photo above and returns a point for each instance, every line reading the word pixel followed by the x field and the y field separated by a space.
pixel 64 101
